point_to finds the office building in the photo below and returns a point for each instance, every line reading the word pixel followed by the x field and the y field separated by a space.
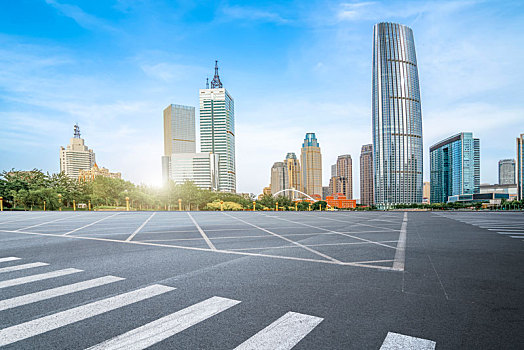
pixel 510 190
pixel 397 117
pixel 293 175
pixel 278 178
pixel 426 196
pixel 199 168
pixel 454 167
pixel 366 175
pixel 311 162
pixel 94 172
pixel 507 172
pixel 217 130
pixel 76 156
pixel 345 175
pixel 520 166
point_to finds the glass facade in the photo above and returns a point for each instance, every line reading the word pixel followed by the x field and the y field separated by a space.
pixel 454 167
pixel 520 167
pixel 507 172
pixel 397 117
pixel 311 161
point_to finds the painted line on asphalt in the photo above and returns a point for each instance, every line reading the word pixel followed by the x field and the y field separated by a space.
pixel 39 277
pixel 22 267
pixel 352 222
pixel 55 292
pixel 511 233
pixel 287 239
pixel 9 258
pixel 77 229
pixel 167 326
pixel 283 334
pixel 400 254
pixel 44 223
pixel 310 245
pixel 48 323
pixel 25 218
pixel 140 228
pixel 202 233
pixel 517 236
pixel 396 341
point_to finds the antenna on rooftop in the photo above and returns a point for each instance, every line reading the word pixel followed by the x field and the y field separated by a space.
pixel 207 83
pixel 77 131
pixel 216 83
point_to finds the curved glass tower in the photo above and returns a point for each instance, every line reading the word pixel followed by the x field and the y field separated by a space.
pixel 397 117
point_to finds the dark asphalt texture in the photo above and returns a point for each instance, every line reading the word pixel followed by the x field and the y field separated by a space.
pixel 462 285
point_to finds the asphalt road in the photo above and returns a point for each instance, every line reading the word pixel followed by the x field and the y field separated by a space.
pixel 217 280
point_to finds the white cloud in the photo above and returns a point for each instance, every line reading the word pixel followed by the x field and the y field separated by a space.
pixel 251 14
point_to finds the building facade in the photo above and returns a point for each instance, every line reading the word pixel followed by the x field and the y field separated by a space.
pixel 278 178
pixel 426 192
pixel 397 117
pixel 179 129
pixel 217 130
pixel 520 166
pixel 366 175
pixel 454 167
pixel 345 175
pixel 76 156
pixel 199 168
pixel 507 172
pixel 293 174
pixel 94 172
pixel 510 190
pixel 311 162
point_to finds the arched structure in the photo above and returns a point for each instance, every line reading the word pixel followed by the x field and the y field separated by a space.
pixel 297 191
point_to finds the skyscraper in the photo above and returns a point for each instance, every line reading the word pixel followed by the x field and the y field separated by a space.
pixel 345 175
pixel 507 172
pixel 77 156
pixel 293 174
pixel 397 117
pixel 520 166
pixel 217 130
pixel 454 167
pixel 278 177
pixel 311 161
pixel 366 175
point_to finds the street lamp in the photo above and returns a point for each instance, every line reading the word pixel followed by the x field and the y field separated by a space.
pixel 127 203
pixel 59 202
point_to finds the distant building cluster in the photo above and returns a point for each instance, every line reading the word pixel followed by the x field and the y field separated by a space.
pixel 214 167
pixel 78 161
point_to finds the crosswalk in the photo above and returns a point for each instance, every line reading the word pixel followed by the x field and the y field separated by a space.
pixel 509 225
pixel 281 334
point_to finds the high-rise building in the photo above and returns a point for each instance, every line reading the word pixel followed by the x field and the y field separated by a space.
pixel 293 174
pixel 520 166
pixel 199 168
pixel 507 172
pixel 217 130
pixel 426 192
pixel 366 175
pixel 334 170
pixel 454 167
pixel 325 192
pixel 311 161
pixel 345 175
pixel 278 177
pixel 76 156
pixel 397 117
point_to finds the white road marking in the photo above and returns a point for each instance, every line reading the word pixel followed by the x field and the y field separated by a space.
pixel 49 222
pixel 39 277
pixel 288 240
pixel 45 324
pixel 400 254
pixel 396 341
pixel 309 245
pixel 506 229
pixel 165 327
pixel 55 292
pixel 24 218
pixel 22 267
pixel 9 258
pixel 283 334
pixel 140 228
pixel 517 236
pixel 206 238
pixel 511 233
pixel 77 229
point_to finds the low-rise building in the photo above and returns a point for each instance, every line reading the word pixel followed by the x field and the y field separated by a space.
pixel 338 200
pixel 94 172
pixel 510 190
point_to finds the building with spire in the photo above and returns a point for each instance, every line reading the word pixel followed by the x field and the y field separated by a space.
pixel 311 161
pixel 293 174
pixel 217 130
pixel 76 156
pixel 366 175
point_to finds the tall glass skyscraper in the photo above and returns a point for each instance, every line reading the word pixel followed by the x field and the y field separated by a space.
pixel 397 117
pixel 311 161
pixel 454 167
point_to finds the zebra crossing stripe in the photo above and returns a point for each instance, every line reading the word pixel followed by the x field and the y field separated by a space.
pixel 22 267
pixel 283 334
pixel 165 327
pixel 39 277
pixel 45 324
pixel 10 258
pixel 55 292
pixel 396 341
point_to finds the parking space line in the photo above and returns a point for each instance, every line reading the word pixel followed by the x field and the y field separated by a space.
pixel 354 223
pixel 22 267
pixel 288 240
pixel 396 341
pixel 39 277
pixel 77 229
pixel 47 222
pixel 211 245
pixel 310 245
pixel 140 228
pixel 10 258
pixel 400 254
pixel 25 218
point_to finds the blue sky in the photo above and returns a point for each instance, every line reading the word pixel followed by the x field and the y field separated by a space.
pixel 292 67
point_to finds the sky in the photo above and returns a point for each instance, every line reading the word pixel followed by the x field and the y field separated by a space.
pixel 292 67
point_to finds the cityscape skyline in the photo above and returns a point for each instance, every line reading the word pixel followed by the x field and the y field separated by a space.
pixel 112 113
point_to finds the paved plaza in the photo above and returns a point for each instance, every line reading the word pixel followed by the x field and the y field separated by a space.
pixel 261 280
